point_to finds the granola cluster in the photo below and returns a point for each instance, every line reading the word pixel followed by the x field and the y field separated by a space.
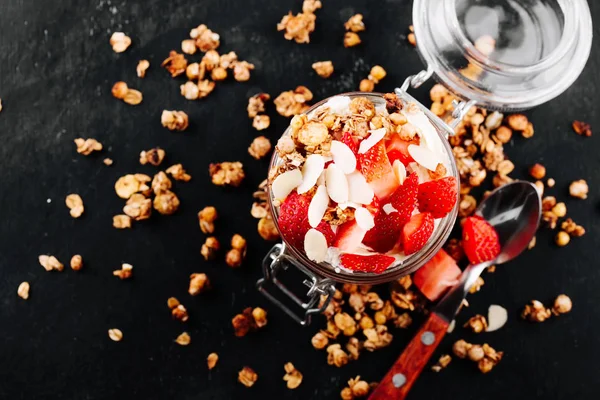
pixel 250 320
pixel 354 25
pixel 356 389
pixel 484 355
pixel 376 74
pixel 293 102
pixel 227 173
pixel 535 311
pixel 299 27
pixel 357 309
pixel 121 91
pixel 260 210
pixel 256 110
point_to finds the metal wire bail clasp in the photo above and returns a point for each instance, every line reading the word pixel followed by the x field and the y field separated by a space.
pixel 277 262
pixel 460 108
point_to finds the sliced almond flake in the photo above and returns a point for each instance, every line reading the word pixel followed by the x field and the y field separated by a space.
pixel 374 138
pixel 343 157
pixel 285 183
pixel 321 179
pixel 451 326
pixel 423 156
pixel 312 169
pixel 497 317
pixel 337 184
pixel 388 208
pixel 315 245
pixel 318 206
pixel 350 204
pixel 427 132
pixel 359 191
pixel 364 218
pixel 399 171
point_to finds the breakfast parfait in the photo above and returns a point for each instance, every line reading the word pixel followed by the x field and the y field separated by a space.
pixel 361 183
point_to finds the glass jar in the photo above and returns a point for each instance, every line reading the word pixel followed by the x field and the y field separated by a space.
pixel 499 54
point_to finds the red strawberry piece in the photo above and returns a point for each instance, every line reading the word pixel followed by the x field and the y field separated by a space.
pixel 480 240
pixel 293 221
pixel 326 230
pixel 438 196
pixel 384 235
pixel 350 141
pixel 397 149
pixel 404 199
pixel 348 236
pixel 417 232
pixel 377 170
pixel 376 263
pixel 437 275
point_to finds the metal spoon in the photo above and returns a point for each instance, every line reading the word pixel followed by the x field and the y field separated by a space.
pixel 514 210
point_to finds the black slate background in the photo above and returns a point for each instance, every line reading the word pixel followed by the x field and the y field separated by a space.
pixel 56 71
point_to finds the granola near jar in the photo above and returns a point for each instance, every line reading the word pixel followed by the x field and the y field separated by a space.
pixel 364 186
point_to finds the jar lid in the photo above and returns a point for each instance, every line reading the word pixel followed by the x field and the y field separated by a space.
pixel 504 54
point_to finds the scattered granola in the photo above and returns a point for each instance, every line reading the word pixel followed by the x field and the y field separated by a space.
pixel 319 341
pixel 478 323
pixel 562 239
pixel 267 229
pixel 579 189
pixel 184 339
pixel 256 104
pixel 298 27
pixel 535 312
pixel 249 321
pixel 76 262
pixel 190 90
pixel 218 74
pixel 142 67
pixel 138 207
pixel 180 313
pixel 125 272
pixel 261 122
pixel 241 70
pixel 119 90
pixel 108 162
pixel 237 253
pixel 23 290
pixel 562 305
pixel 537 171
pixel 175 120
pixel 377 73
pixel 550 182
pixel 172 302
pixel 129 184
pixel 351 39
pixel 292 376
pixel 87 146
pixel 293 102
pixel 411 38
pixel 260 146
pixel 210 248
pixel 355 23
pixel 75 205
pixel 211 360
pixel 161 183
pixel 119 42
pixel 247 376
pixel 357 388
pixel 188 46
pixel 477 285
pixel 178 173
pixel 153 156
pixel 336 356
pixel 198 284
pixel 442 363
pixel 206 39
pixel 133 97
pixel 115 334
pixel 122 221
pixel 323 68
pixel 166 202
pixel 176 63
pixel 572 228
pixel 227 173
pixel 207 217
pixel 50 263
pixel 582 128
pixel 484 355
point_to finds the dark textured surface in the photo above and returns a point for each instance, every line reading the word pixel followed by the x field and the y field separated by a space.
pixel 56 71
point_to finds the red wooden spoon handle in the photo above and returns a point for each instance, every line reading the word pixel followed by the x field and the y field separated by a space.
pixel 405 371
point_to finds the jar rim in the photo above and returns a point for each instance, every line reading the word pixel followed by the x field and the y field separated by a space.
pixel 406 266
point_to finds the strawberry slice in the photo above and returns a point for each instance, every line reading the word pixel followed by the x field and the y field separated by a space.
pixel 376 263
pixel 377 170
pixel 480 240
pixel 384 235
pixel 350 141
pixel 437 275
pixel 397 149
pixel 438 196
pixel 348 236
pixel 293 221
pixel 417 232
pixel 404 199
